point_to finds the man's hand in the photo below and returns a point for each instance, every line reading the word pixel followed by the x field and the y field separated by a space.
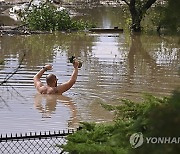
pixel 75 63
pixel 48 67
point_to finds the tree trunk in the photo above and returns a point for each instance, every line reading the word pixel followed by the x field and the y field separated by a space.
pixel 137 12
pixel 136 15
pixel 136 22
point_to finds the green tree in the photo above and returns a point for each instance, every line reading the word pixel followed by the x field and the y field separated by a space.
pixel 138 9
pixel 170 15
pixel 46 17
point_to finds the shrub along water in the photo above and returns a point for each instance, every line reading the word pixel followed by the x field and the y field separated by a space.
pixel 46 18
pixel 153 117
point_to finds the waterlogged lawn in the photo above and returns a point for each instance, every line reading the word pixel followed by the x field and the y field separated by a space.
pixel 152 118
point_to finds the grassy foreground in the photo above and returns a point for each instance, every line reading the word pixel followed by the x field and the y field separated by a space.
pixel 153 117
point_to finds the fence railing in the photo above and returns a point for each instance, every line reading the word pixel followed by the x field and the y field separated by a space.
pixel 34 143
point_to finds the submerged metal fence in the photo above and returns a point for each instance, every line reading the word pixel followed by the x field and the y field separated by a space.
pixel 33 143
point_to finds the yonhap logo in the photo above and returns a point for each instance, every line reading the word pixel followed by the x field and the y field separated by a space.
pixel 136 139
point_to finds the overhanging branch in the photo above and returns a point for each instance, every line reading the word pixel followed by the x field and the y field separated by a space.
pixel 148 4
pixel 11 74
pixel 125 1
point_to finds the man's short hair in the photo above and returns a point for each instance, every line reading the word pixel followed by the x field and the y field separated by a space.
pixel 50 78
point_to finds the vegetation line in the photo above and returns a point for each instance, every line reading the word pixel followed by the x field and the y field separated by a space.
pixel 154 117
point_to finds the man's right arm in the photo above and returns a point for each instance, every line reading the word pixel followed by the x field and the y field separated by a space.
pixel 37 82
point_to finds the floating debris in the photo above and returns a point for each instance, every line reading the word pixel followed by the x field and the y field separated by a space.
pixel 19 30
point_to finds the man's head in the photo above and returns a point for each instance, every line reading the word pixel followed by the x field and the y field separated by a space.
pixel 51 80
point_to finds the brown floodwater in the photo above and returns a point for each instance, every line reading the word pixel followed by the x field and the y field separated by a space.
pixel 115 66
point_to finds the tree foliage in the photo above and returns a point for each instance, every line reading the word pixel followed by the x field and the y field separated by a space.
pixel 168 16
pixel 154 117
pixel 164 14
pixel 46 17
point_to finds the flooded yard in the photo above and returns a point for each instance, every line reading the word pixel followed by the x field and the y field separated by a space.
pixel 115 66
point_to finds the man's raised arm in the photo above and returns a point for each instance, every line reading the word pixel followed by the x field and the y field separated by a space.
pixel 67 85
pixel 37 81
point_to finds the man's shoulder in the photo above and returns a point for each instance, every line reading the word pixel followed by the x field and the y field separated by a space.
pixel 43 89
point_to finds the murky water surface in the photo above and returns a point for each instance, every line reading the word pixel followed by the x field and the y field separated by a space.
pixel 115 66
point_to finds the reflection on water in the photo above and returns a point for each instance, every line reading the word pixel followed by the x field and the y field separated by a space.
pixel 46 104
pixel 114 67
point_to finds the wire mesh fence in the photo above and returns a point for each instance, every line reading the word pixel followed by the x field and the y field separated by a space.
pixel 33 143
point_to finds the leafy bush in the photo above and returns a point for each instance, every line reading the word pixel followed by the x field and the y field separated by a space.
pixel 153 117
pixel 94 139
pixel 166 17
pixel 46 17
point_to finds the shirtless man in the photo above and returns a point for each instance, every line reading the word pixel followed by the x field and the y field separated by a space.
pixel 51 80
